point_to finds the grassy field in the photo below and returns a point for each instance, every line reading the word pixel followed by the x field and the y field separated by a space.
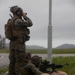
pixel 4 51
pixel 44 51
pixel 54 51
pixel 70 68
pixel 3 70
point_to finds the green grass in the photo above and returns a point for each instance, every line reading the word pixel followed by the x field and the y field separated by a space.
pixel 63 51
pixel 3 70
pixel 54 51
pixel 4 51
pixel 44 51
pixel 70 68
pixel 40 51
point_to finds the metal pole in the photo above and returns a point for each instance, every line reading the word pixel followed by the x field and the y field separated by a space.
pixel 50 33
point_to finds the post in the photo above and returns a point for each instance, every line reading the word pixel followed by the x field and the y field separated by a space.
pixel 50 33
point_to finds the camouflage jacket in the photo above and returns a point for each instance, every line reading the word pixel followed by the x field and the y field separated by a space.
pixel 19 27
pixel 32 70
pixel 25 22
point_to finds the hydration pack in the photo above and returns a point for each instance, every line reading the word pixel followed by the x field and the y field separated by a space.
pixel 8 30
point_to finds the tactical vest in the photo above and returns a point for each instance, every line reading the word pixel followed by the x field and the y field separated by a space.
pixel 11 32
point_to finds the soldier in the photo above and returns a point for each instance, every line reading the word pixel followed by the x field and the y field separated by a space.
pixel 36 60
pixel 32 68
pixel 19 31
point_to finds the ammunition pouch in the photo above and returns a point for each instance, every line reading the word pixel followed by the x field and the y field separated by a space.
pixel 27 31
pixel 27 37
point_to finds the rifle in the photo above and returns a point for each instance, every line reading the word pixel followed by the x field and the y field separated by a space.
pixel 46 65
pixel 10 15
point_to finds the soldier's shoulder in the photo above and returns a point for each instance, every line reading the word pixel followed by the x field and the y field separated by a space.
pixel 30 65
pixel 18 20
pixel 9 20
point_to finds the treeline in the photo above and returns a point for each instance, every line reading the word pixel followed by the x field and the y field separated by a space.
pixel 2 42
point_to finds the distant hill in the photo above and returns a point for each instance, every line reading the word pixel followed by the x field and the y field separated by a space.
pixel 35 47
pixel 29 46
pixel 66 46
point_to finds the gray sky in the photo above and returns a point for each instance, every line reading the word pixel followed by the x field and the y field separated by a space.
pixel 63 20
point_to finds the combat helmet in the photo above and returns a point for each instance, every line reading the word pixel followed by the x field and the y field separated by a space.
pixel 36 60
pixel 15 9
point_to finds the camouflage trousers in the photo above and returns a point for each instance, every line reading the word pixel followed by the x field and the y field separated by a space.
pixel 17 58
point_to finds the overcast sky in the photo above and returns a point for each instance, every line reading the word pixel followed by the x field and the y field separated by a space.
pixel 63 20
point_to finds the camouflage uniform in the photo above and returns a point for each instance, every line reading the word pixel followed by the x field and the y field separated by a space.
pixel 32 69
pixel 18 47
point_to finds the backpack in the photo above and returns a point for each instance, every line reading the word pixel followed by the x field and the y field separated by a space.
pixel 8 28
